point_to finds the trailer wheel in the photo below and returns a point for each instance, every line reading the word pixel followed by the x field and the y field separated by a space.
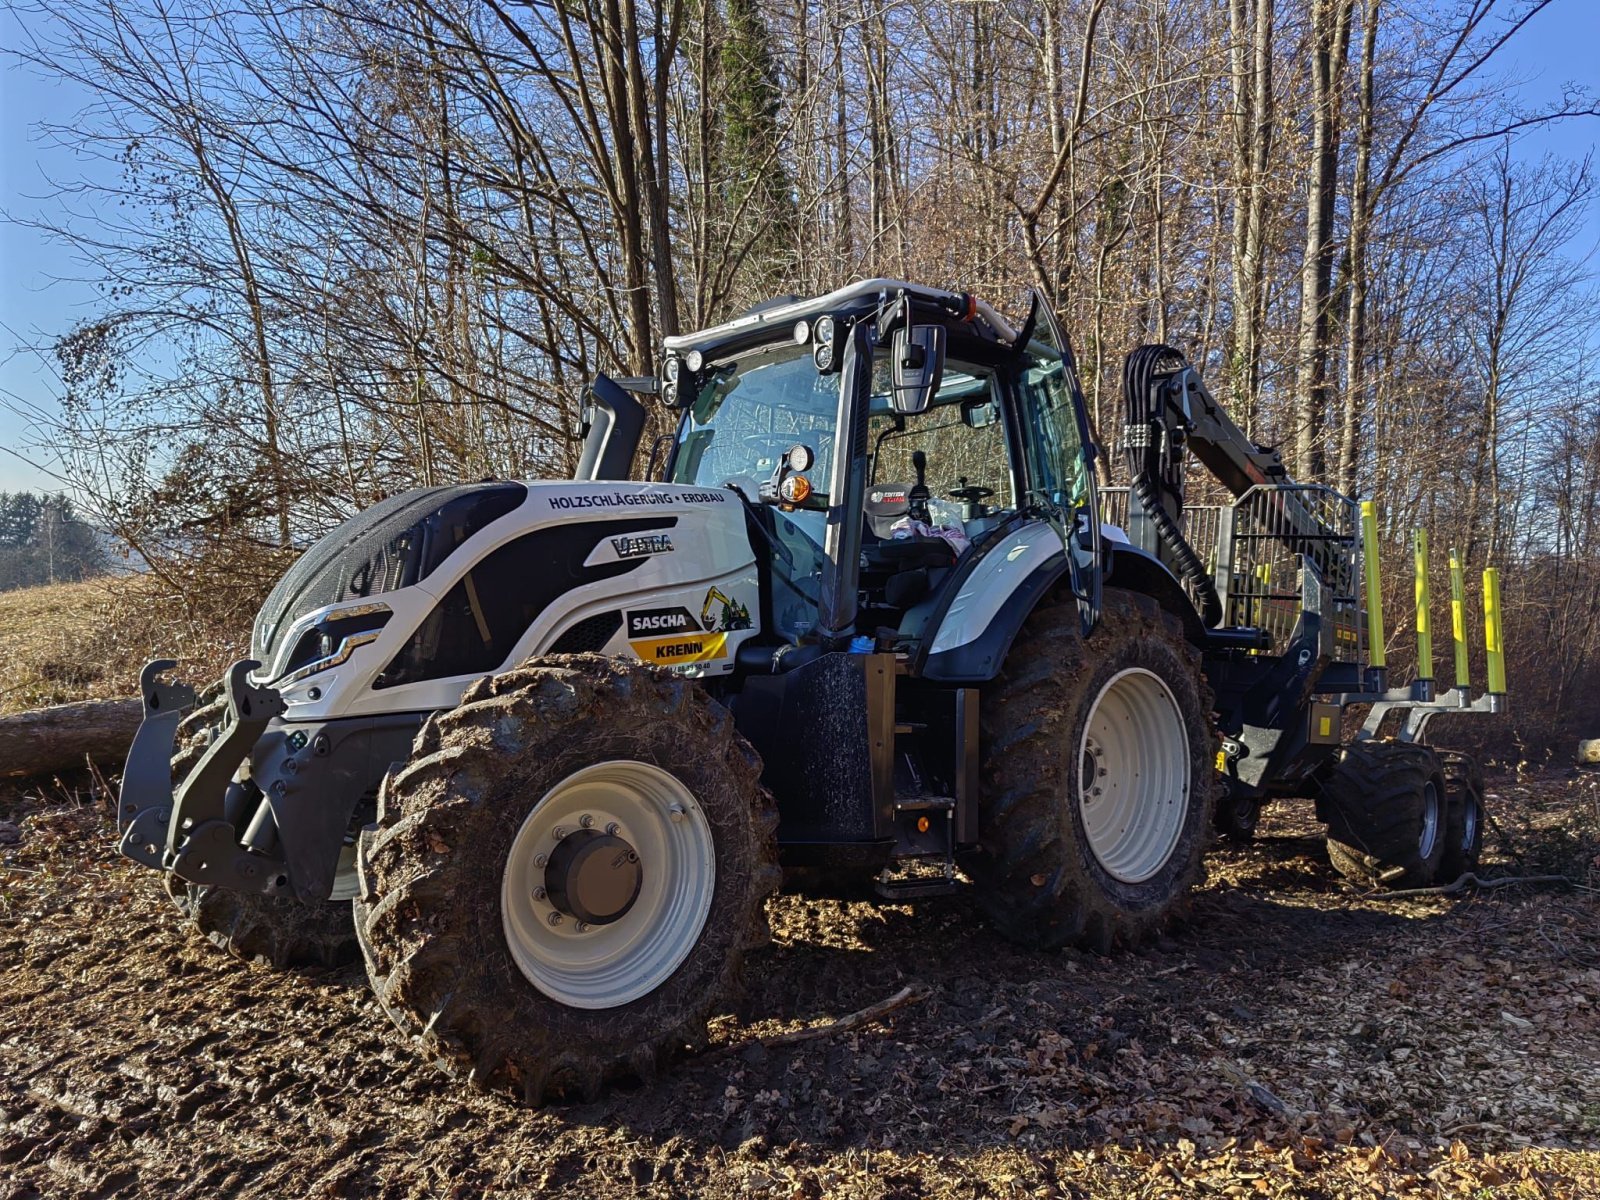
pixel 1098 777
pixel 566 877
pixel 1237 814
pixel 1464 785
pixel 1386 806
pixel 280 931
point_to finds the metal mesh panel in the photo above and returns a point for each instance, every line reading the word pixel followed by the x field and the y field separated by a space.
pixel 1275 529
pixel 1257 569
pixel 588 635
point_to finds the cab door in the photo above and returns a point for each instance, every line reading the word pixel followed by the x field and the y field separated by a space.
pixel 1059 451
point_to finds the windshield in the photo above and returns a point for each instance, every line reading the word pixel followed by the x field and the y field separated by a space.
pixel 749 411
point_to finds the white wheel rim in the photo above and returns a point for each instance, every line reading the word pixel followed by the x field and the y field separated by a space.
pixel 1133 767
pixel 1469 826
pixel 1430 820
pixel 604 966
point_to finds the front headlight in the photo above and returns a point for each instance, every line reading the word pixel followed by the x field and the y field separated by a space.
pixel 332 639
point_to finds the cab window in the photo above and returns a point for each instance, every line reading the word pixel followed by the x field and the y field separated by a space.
pixel 1059 475
pixel 962 434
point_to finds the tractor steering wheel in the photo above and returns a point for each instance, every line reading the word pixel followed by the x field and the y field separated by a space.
pixel 969 495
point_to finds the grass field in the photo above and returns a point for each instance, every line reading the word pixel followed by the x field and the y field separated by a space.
pixel 47 641
pixel 81 641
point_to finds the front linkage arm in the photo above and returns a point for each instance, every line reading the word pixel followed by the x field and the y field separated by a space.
pixel 194 835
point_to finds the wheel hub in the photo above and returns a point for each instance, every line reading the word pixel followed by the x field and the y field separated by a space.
pixel 608 884
pixel 593 876
pixel 1133 785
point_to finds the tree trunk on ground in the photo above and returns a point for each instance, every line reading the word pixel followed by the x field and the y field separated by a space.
pixel 60 738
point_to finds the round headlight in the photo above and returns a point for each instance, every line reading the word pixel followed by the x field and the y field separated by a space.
pixel 695 360
pixel 800 458
pixel 670 371
pixel 824 329
pixel 802 332
pixel 822 355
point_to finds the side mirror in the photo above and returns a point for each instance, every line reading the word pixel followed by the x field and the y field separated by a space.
pixel 979 414
pixel 918 352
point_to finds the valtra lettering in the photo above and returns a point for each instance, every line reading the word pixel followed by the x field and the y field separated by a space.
pixel 638 547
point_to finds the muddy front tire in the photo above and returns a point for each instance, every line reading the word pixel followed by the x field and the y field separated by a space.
pixel 279 931
pixel 1098 778
pixel 566 877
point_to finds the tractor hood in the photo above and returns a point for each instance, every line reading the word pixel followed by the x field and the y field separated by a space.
pixel 402 606
pixel 396 543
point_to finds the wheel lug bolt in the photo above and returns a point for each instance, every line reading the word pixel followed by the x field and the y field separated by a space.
pixel 677 812
pixel 558 832
pixel 586 821
pixel 613 829
pixel 539 893
pixel 582 927
pixel 539 860
pixel 555 918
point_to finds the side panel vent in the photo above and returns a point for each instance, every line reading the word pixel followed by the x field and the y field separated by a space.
pixel 589 635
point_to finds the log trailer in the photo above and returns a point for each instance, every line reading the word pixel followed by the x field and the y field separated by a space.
pixel 539 752
pixel 1297 565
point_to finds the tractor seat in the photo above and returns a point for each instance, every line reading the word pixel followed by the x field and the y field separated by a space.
pixel 906 554
pixel 885 554
pixel 885 504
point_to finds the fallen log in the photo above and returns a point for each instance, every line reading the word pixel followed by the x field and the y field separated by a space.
pixel 60 738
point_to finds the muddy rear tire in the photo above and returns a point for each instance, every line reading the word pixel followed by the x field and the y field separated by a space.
pixel 278 931
pixel 1057 867
pixel 1385 804
pixel 464 912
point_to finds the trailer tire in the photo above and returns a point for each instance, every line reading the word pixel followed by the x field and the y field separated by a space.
pixel 1050 871
pixel 1464 784
pixel 1237 815
pixel 1386 808
pixel 458 917
pixel 279 931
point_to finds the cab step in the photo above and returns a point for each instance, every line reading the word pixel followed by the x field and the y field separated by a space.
pixel 917 889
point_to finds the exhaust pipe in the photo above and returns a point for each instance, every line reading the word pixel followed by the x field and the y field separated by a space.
pixel 615 423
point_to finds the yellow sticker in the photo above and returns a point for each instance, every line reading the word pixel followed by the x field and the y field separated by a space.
pixel 1327 726
pixel 683 648
pixel 1222 760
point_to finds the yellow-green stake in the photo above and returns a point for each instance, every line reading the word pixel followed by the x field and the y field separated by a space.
pixel 1458 620
pixel 1369 565
pixel 1424 629
pixel 1493 634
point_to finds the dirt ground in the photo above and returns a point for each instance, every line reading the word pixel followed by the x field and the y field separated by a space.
pixel 1292 1039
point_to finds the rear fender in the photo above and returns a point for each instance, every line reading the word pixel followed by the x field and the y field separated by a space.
pixel 991 606
pixel 993 597
pixel 1136 570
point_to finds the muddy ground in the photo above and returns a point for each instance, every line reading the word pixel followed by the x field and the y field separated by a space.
pixel 1293 1038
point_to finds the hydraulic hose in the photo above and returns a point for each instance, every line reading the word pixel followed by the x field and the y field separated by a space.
pixel 1149 429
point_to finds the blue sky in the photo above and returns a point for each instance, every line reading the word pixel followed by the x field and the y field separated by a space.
pixel 39 299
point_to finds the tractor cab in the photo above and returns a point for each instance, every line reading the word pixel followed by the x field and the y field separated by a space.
pixel 888 438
